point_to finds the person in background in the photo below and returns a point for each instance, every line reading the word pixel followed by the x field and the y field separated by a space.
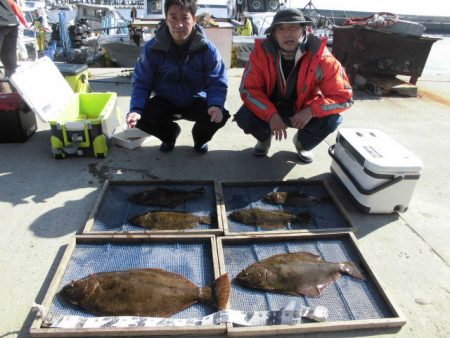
pixel 41 32
pixel 247 28
pixel 292 80
pixel 133 14
pixel 187 77
pixel 10 13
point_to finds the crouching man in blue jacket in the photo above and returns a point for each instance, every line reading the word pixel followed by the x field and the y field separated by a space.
pixel 185 74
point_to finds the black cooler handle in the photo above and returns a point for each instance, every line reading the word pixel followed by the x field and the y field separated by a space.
pixel 358 186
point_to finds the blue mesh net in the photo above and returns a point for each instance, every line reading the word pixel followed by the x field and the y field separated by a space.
pixel 346 299
pixel 115 209
pixel 324 215
pixel 191 260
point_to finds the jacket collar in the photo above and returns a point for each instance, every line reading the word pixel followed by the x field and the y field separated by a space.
pixel 163 39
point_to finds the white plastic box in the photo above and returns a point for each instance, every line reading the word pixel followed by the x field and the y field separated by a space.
pixel 379 173
pixel 81 123
pixel 130 138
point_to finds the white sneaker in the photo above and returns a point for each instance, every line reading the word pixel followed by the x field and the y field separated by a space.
pixel 304 155
pixel 262 147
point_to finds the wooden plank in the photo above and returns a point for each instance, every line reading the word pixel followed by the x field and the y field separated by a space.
pixel 93 214
pixel 396 320
pixel 54 283
pixel 314 327
pixel 37 331
pixel 221 208
pixel 338 205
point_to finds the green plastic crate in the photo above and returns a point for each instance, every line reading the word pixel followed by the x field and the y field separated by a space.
pixel 81 123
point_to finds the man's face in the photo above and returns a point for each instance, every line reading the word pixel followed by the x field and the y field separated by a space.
pixel 288 36
pixel 180 22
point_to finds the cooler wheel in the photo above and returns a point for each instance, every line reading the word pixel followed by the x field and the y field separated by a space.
pixel 58 156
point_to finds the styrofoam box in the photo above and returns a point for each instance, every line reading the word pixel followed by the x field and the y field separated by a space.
pixel 130 138
pixel 379 173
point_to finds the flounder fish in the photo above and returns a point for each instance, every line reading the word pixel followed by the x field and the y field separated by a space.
pixel 164 197
pixel 142 292
pixel 168 220
pixel 294 198
pixel 298 273
pixel 270 219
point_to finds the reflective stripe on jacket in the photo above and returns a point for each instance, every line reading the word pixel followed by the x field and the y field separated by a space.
pixel 322 83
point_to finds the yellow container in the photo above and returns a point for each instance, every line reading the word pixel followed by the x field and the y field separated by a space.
pixel 76 76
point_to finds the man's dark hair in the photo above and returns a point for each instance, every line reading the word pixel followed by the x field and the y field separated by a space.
pixel 190 5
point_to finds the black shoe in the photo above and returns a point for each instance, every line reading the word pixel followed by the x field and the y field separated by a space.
pixel 201 148
pixel 168 147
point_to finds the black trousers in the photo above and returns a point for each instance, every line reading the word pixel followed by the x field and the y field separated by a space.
pixel 314 132
pixel 8 48
pixel 159 115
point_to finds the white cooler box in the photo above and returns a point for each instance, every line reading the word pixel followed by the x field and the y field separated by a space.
pixel 379 173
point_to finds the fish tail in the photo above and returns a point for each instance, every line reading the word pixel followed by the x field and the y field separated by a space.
pixel 204 219
pixel 303 217
pixel 352 269
pixel 221 290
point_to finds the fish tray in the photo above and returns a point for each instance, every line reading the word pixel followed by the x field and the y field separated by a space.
pixel 194 257
pixel 112 208
pixel 325 216
pixel 351 303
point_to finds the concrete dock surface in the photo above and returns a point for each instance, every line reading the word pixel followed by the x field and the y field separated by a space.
pixel 45 202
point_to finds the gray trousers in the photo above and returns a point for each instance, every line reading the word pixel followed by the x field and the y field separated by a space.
pixel 8 48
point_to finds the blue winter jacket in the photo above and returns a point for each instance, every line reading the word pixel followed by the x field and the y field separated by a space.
pixel 200 73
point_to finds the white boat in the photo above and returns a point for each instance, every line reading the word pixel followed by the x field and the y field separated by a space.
pixel 103 18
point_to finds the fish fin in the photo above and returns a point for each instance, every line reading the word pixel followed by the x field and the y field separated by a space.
pixel 308 255
pixel 310 292
pixel 222 290
pixel 205 220
pixel 199 191
pixel 303 217
pixel 316 290
pixel 269 225
pixel 350 268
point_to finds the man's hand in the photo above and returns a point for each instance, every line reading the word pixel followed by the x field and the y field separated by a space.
pixel 278 127
pixel 302 118
pixel 132 119
pixel 215 113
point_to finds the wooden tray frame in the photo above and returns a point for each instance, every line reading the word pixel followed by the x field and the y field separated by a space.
pixel 90 222
pixel 397 321
pixel 324 185
pixel 37 331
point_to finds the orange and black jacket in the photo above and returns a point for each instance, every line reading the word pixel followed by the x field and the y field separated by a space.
pixel 322 83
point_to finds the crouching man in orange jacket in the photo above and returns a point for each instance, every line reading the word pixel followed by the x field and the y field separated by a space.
pixel 292 80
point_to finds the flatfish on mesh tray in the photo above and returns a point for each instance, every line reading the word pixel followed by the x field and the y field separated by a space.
pixel 165 197
pixel 294 198
pixel 297 273
pixel 168 220
pixel 270 219
pixel 142 292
